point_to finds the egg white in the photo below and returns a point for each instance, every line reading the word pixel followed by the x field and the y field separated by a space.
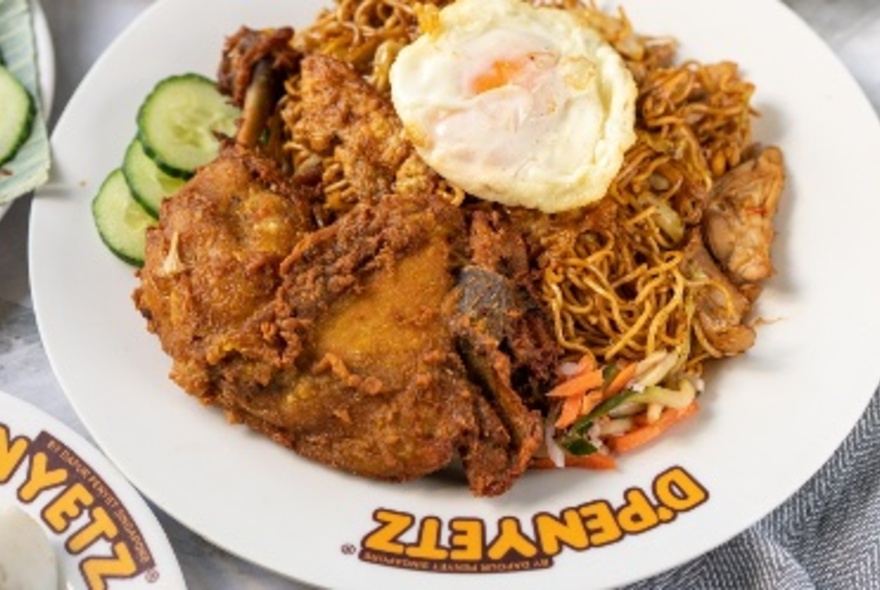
pixel 516 104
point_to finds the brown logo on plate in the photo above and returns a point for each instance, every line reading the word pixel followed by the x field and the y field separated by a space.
pixel 80 507
pixel 471 545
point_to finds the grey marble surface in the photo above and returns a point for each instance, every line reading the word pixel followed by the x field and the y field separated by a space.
pixel 81 30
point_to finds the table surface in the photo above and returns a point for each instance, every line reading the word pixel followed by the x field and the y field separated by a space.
pixel 81 30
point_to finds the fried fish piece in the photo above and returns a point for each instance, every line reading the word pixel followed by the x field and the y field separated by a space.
pixel 512 316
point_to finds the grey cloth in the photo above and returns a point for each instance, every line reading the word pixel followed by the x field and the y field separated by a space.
pixel 825 536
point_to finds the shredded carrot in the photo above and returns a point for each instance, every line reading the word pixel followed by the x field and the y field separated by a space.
pixel 594 461
pixel 542 463
pixel 590 401
pixel 577 385
pixel 587 363
pixel 623 377
pixel 571 409
pixel 645 434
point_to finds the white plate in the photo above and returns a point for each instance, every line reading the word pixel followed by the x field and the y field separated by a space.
pixel 770 418
pixel 98 499
pixel 45 65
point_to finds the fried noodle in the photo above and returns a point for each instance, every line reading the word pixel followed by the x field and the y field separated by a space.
pixel 615 288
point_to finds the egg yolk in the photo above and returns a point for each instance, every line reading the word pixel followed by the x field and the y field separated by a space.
pixel 500 73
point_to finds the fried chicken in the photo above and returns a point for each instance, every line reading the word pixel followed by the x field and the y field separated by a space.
pixel 343 115
pixel 344 350
pixel 243 53
pixel 368 364
pixel 721 308
pixel 387 344
pixel 380 389
pixel 211 267
pixel 253 68
pixel 738 222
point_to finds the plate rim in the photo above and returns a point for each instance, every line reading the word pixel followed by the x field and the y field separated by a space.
pixel 786 494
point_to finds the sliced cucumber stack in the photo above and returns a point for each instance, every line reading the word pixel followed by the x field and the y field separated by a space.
pixel 120 219
pixel 178 127
pixel 179 121
pixel 19 111
pixel 148 183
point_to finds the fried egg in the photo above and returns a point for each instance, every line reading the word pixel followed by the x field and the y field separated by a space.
pixel 516 104
pixel 27 560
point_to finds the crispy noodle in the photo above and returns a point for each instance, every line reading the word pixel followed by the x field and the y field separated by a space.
pixel 611 276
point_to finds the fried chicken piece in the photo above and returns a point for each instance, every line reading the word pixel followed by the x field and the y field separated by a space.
pixel 344 115
pixel 245 50
pixel 374 385
pixel 253 68
pixel 488 315
pixel 336 343
pixel 352 363
pixel 721 308
pixel 211 268
pixel 738 221
pixel 501 301
pixel 378 387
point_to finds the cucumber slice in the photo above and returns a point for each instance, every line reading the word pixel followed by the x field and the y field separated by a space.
pixel 19 111
pixel 179 120
pixel 148 183
pixel 122 223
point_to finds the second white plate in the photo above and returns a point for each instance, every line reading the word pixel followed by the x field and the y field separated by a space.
pixel 101 531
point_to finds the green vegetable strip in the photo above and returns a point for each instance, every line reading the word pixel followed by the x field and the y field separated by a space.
pixel 574 439
pixel 582 424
